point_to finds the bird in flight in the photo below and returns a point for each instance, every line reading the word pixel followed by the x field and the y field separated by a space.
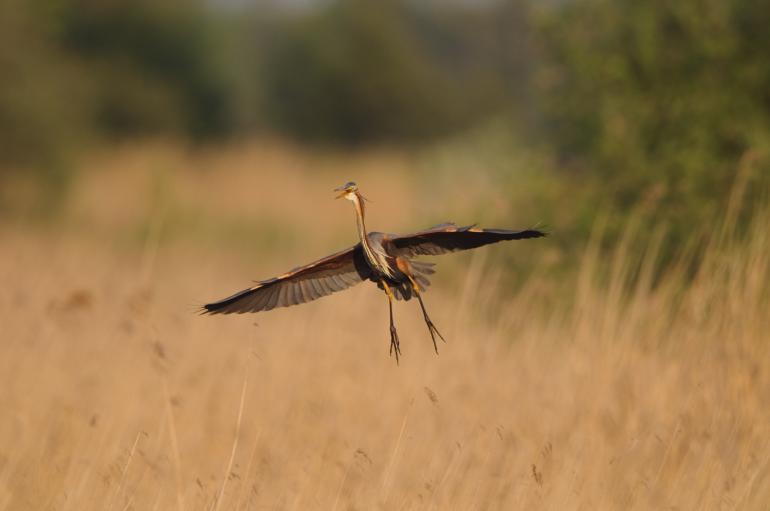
pixel 384 259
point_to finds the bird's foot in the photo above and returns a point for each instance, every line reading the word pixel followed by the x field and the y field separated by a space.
pixel 433 333
pixel 395 346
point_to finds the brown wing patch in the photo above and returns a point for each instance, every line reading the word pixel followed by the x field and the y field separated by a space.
pixel 403 265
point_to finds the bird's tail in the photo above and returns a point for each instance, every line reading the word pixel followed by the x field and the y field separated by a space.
pixel 421 270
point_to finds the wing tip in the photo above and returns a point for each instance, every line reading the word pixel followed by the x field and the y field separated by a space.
pixel 540 230
pixel 209 309
pixel 223 306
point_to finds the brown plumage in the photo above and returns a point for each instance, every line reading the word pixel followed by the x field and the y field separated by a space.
pixel 386 259
pixel 326 276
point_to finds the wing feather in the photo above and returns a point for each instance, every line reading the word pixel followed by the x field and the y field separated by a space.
pixel 328 275
pixel 296 290
pixel 333 284
pixel 259 301
pixel 317 288
pixel 272 299
pixel 281 301
pixel 306 297
pixel 447 238
pixel 289 296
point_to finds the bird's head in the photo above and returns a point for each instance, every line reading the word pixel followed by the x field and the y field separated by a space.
pixel 348 190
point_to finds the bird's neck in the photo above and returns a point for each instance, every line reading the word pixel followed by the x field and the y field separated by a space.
pixel 374 255
pixel 359 205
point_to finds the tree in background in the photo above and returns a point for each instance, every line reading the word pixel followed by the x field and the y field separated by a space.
pixel 78 69
pixel 81 72
pixel 388 71
pixel 656 100
pixel 623 102
pixel 155 67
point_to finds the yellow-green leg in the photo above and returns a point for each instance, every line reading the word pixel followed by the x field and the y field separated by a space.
pixel 395 346
pixel 431 327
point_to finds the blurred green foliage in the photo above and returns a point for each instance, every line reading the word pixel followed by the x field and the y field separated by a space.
pixel 79 71
pixel 623 104
pixel 660 102
pixel 153 66
pixel 359 72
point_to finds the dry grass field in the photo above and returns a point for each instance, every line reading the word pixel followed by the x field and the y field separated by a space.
pixel 115 395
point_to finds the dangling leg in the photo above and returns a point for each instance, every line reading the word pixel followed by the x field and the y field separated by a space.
pixel 395 346
pixel 431 327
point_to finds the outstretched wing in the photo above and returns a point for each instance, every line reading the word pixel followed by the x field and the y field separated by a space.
pixel 326 276
pixel 450 238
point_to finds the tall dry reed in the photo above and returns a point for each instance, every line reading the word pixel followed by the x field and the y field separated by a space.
pixel 651 392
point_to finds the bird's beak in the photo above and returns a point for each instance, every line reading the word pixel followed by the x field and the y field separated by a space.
pixel 343 192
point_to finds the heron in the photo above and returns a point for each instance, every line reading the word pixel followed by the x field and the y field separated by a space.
pixel 388 260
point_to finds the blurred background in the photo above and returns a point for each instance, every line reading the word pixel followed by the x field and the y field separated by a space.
pixel 158 155
pixel 563 107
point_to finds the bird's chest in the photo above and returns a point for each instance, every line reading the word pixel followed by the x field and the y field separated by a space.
pixel 380 261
